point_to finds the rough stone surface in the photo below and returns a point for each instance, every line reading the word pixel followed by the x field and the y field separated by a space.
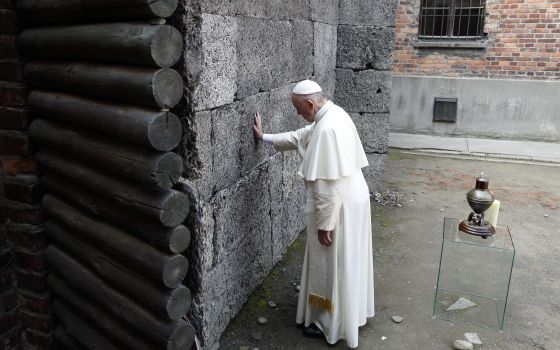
pixel 219 70
pixel 268 9
pixel 365 47
pixel 367 12
pixel 367 91
pixel 373 130
pixel 375 172
pixel 272 54
pixel 325 40
pixel 325 11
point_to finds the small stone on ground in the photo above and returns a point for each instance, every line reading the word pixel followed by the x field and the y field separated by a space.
pixel 272 304
pixel 397 319
pixel 461 304
pixel 462 345
pixel 262 320
pixel 473 338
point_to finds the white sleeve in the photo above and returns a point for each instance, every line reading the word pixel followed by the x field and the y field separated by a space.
pixel 328 200
pixel 290 140
pixel 267 138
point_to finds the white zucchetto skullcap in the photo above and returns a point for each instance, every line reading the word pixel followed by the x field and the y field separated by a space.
pixel 306 87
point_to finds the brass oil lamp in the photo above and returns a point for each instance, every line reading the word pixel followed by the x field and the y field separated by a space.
pixel 480 199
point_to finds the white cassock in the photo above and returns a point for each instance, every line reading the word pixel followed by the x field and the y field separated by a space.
pixel 336 281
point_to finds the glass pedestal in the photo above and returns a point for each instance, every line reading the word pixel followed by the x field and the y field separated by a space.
pixel 474 276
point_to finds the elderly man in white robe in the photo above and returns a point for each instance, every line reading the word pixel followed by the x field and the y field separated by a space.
pixel 336 294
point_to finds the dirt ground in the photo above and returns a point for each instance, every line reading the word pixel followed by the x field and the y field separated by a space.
pixel 407 243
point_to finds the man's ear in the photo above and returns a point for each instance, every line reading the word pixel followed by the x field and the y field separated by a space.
pixel 310 103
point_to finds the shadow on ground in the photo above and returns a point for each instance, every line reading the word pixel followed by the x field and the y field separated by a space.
pixel 407 243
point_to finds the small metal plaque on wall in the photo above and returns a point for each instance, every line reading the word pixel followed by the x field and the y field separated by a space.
pixel 445 109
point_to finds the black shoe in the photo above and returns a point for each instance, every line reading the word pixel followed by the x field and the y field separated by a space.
pixel 312 331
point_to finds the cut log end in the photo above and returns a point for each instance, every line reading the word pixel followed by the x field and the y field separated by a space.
pixel 169 169
pixel 168 88
pixel 179 302
pixel 175 271
pixel 163 8
pixel 179 239
pixel 174 210
pixel 182 338
pixel 165 132
pixel 167 46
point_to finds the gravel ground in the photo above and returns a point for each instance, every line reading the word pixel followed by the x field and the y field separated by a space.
pixel 408 219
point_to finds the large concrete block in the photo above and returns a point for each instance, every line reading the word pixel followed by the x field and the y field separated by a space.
pixel 242 217
pixel 234 150
pixel 217 85
pixel 366 91
pixel 210 306
pixel 202 129
pixel 361 47
pixel 375 172
pixel 268 9
pixel 373 130
pixel 272 54
pixel 302 50
pixel 325 44
pixel 287 204
pixel 368 12
pixel 327 82
pixel 324 11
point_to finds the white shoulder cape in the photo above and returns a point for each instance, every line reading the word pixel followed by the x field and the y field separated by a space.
pixel 334 149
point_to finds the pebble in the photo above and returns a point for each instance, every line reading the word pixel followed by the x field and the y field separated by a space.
pixel 388 197
pixel 298 287
pixel 545 215
pixel 441 209
pixel 262 320
pixel 473 338
pixel 272 304
pixel 462 345
pixel 461 304
pixel 397 319
pixel 256 336
pixel 383 337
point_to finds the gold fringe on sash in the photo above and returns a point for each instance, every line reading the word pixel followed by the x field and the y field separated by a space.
pixel 321 303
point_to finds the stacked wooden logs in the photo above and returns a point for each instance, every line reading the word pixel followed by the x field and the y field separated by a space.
pixel 101 91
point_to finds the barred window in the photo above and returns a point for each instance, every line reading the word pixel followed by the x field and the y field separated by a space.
pixel 452 19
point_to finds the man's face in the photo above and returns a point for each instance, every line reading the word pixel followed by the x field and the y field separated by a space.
pixel 304 108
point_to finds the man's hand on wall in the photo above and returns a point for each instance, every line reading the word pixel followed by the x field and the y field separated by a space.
pixel 257 127
pixel 325 237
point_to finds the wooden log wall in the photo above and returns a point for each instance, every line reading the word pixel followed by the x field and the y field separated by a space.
pixel 101 93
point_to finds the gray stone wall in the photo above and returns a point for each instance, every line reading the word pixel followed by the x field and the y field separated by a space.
pixel 240 57
pixel 244 56
pixel 366 36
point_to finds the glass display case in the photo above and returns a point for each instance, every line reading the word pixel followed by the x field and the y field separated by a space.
pixel 474 276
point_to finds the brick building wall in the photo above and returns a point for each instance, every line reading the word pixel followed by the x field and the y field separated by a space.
pixel 523 43
pixel 24 299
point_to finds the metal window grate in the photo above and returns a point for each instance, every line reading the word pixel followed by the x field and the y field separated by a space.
pixel 452 19
pixel 445 109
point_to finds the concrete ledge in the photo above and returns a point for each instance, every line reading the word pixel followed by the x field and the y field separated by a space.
pixel 450 44
pixel 497 150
